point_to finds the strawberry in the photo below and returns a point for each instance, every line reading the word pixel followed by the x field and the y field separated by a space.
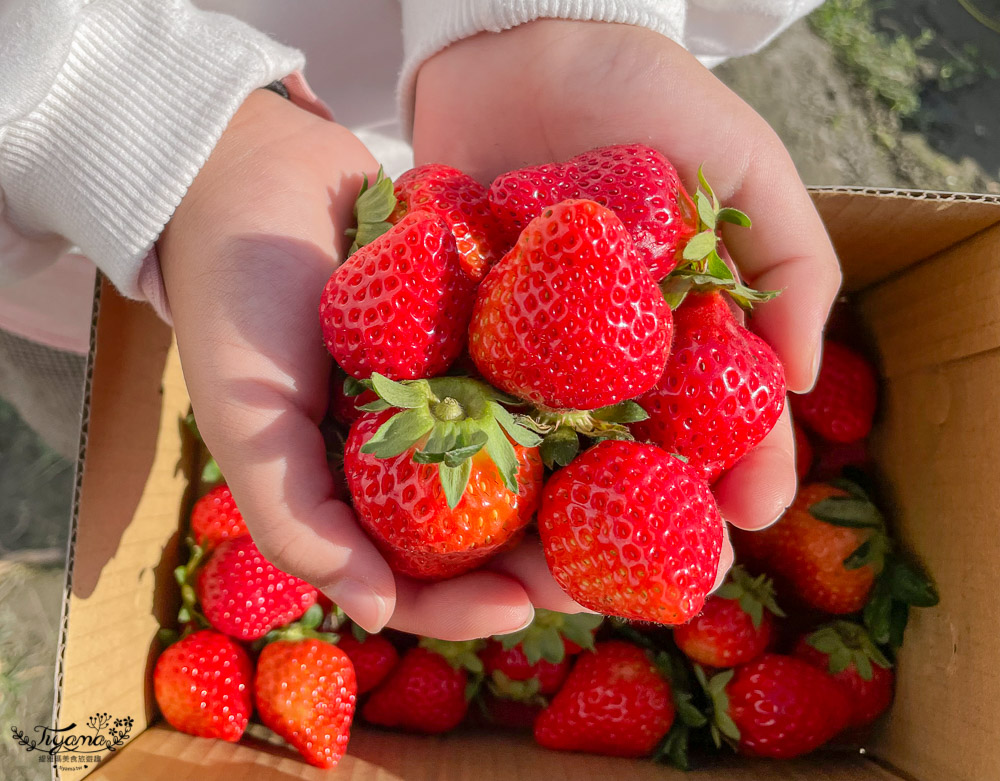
pixel 245 596
pixel 513 665
pixel 776 706
pixel 722 391
pixel 445 480
pixel 344 408
pixel 614 702
pixel 203 686
pixel 631 531
pixel 837 459
pixel 841 405
pixel 552 636
pixel 570 318
pixel 803 453
pixel 427 690
pixel 305 692
pixel 400 305
pixel 635 182
pixel 508 713
pixel 373 658
pixel 216 518
pixel 460 201
pixel 735 625
pixel 847 652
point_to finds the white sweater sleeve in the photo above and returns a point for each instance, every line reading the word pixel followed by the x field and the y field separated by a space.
pixel 712 30
pixel 108 110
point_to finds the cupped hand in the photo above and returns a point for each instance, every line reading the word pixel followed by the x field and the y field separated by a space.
pixel 244 260
pixel 548 90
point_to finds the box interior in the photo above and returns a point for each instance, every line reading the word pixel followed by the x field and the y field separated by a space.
pixel 925 268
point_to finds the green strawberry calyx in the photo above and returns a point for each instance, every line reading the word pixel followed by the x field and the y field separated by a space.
pixel 308 627
pixel 845 643
pixel 211 475
pixel 448 420
pixel 722 727
pixel 899 584
pixel 503 687
pixel 674 748
pixel 753 594
pixel 544 637
pixel 701 267
pixel 462 655
pixel 375 203
pixel 561 429
pixel 189 615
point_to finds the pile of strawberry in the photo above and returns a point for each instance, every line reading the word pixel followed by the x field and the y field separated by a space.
pixel 561 350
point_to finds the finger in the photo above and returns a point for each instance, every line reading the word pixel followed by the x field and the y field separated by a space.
pixel 726 558
pixel 526 564
pixel 479 604
pixel 756 491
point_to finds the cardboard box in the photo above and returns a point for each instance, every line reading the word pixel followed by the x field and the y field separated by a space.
pixel 925 268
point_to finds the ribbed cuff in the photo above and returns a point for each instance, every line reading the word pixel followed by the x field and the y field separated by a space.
pixel 431 25
pixel 144 95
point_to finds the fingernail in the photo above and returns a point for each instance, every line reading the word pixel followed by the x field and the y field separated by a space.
pixel 581 609
pixel 816 362
pixel 524 625
pixel 361 602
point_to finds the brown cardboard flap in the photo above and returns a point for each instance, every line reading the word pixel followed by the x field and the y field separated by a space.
pixel 126 527
pixel 877 232
pixel 162 754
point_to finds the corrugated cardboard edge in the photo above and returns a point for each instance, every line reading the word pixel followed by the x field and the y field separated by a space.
pixel 88 385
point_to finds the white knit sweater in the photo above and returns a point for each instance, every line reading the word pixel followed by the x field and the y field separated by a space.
pixel 109 108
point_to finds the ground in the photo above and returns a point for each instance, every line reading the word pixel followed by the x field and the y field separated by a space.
pixel 905 95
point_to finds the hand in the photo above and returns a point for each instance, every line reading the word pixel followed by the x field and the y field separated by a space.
pixel 244 260
pixel 551 89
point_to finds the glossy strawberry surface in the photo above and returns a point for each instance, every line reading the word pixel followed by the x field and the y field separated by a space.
pixel 721 392
pixel 570 318
pixel 399 306
pixel 723 634
pixel 514 664
pixel 841 406
pixel 615 702
pixel 460 201
pixel 402 506
pixel 306 693
pixel 373 659
pixel 204 686
pixel 636 182
pixel 245 596
pixel 216 518
pixel 631 531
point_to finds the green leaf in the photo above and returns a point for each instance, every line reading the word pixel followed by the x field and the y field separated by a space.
pixel 840 659
pixel 727 726
pixel 552 647
pixel 899 616
pixel 718 269
pixel 524 436
pixel 733 216
pixel 864 666
pixel 849 512
pixel 313 617
pixel 911 586
pixel 705 211
pixel 210 473
pixel 457 455
pixel 502 452
pixel 861 556
pixel 851 487
pixel 359 633
pixel 454 479
pixel 877 612
pixel 625 412
pixel 376 406
pixel 688 713
pixel 675 290
pixel 443 438
pixel 675 746
pixel 560 447
pixel 753 608
pixel 580 628
pixel 700 245
pixel 730 590
pixel 353 386
pixel 399 433
pixel 399 395
pixel 707 187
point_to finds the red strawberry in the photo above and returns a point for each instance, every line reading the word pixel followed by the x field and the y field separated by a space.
pixel 373 657
pixel 306 692
pixel 460 201
pixel 629 530
pixel 427 690
pixel 803 453
pixel 399 306
pixel 841 406
pixel 847 652
pixel 722 391
pixel 570 318
pixel 637 183
pixel 216 518
pixel 614 702
pixel 735 625
pixel 809 554
pixel 203 686
pixel 344 408
pixel 513 664
pixel 834 457
pixel 245 596
pixel 429 490
pixel 777 706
